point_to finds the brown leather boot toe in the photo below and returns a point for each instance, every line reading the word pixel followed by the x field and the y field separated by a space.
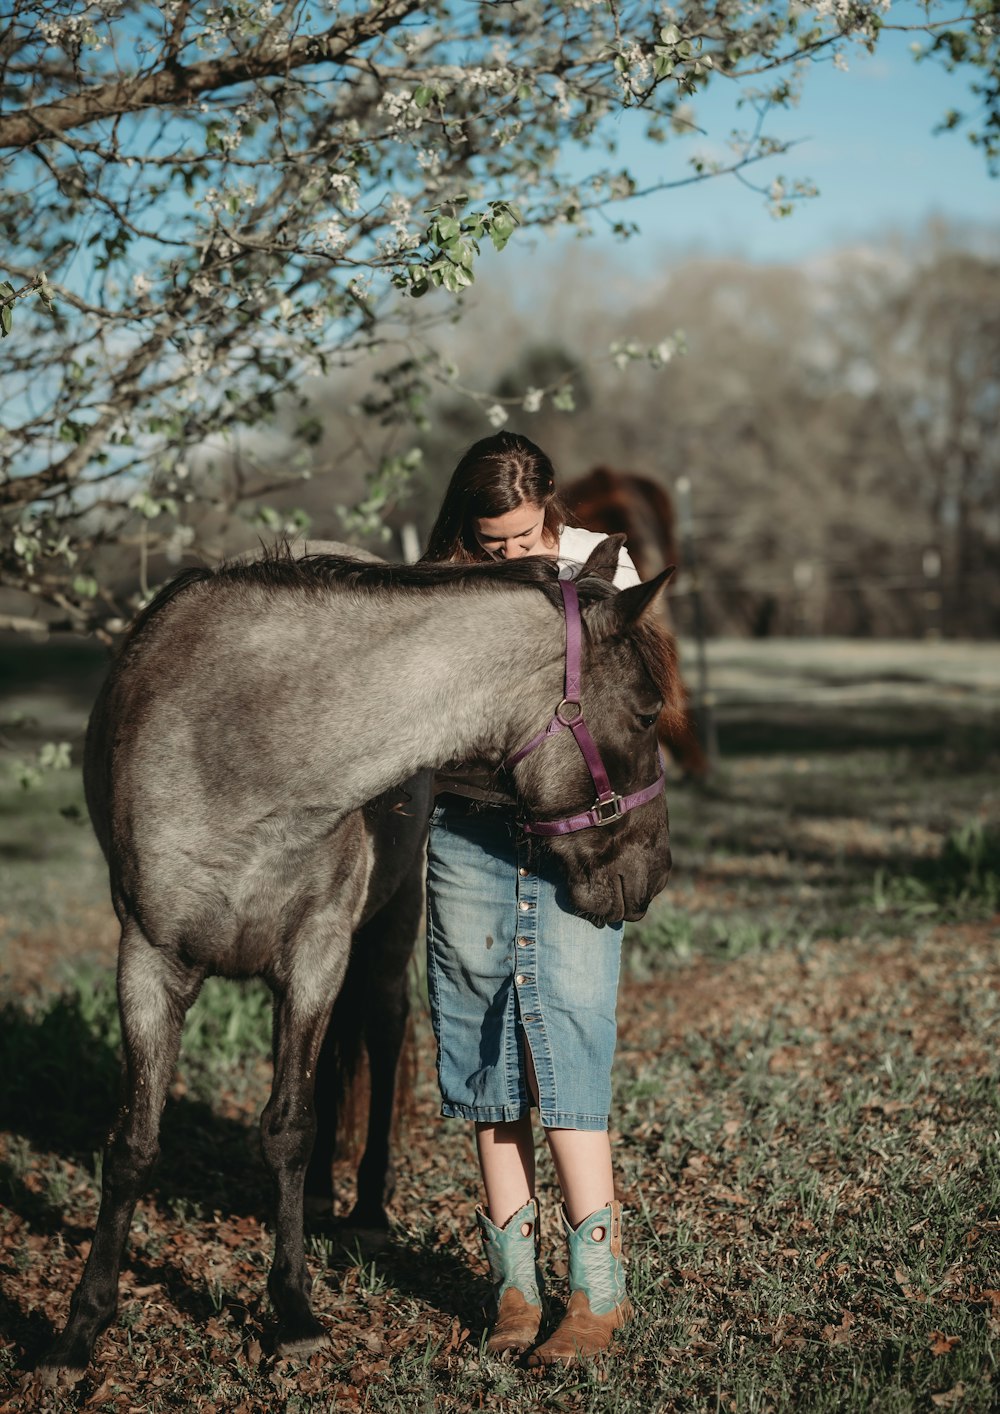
pixel 580 1334
pixel 516 1326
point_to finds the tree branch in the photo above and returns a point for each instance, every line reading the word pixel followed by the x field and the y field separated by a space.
pixel 176 86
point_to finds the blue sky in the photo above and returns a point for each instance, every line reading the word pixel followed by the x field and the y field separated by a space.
pixel 867 142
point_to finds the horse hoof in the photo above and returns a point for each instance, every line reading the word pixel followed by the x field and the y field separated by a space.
pixel 301 1345
pixel 58 1377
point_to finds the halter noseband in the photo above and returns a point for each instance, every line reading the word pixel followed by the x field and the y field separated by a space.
pixel 608 806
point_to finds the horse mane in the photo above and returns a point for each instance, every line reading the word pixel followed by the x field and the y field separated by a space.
pixel 279 568
pixel 197 574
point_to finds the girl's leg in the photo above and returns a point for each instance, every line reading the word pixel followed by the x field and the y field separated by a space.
pixel 507 1160
pixel 598 1302
pixel 510 1233
pixel 582 1159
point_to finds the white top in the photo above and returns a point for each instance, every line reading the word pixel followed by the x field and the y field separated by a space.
pixel 575 546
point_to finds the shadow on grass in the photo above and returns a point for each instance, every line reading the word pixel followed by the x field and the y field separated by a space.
pixel 439 1277
pixel 60 1094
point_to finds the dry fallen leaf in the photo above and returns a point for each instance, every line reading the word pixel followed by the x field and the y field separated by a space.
pixel 942 1344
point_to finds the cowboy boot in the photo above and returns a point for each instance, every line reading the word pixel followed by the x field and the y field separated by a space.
pixel 512 1254
pixel 598 1305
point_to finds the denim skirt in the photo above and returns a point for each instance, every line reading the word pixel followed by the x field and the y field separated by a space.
pixel 510 966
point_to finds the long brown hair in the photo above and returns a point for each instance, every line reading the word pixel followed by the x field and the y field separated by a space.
pixel 496 475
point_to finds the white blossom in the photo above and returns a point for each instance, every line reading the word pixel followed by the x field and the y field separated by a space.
pixel 429 161
pixel 345 189
pixel 401 111
pixel 333 237
pixel 141 285
pixel 637 61
pixel 496 415
pixel 532 399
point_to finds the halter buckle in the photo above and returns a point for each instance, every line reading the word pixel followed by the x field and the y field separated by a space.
pixel 608 810
pixel 575 712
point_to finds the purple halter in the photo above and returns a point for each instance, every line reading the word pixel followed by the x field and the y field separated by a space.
pixel 608 806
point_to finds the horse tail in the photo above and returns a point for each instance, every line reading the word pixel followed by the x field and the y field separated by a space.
pixel 372 1008
pixel 343 1056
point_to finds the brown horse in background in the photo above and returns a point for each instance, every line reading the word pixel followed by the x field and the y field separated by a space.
pixel 622 502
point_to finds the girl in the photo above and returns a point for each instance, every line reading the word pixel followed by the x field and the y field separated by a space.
pixel 522 990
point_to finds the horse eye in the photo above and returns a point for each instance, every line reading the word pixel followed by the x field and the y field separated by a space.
pixel 648 719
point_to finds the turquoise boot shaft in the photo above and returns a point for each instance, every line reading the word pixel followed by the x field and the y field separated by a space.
pixel 598 1303
pixel 512 1254
pixel 595 1259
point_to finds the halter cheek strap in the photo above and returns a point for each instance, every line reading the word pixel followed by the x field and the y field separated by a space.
pixel 569 714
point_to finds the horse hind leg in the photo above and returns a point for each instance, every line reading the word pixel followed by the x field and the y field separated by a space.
pixel 154 994
pixel 389 940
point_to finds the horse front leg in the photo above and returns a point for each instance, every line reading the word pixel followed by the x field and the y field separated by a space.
pixel 288 1130
pixel 154 994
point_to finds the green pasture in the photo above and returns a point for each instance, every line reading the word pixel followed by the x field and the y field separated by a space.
pixel 806 1120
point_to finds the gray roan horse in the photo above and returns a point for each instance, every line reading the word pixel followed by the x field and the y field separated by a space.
pixel 253 712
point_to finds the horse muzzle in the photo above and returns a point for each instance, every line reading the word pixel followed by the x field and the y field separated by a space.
pixel 621 893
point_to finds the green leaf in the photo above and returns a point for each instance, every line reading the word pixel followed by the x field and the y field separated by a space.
pixel 501 229
pixel 422 95
pixel 563 400
pixel 456 278
pixel 445 229
pixel 6 320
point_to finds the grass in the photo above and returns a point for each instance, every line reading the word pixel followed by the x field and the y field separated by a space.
pixel 805 1127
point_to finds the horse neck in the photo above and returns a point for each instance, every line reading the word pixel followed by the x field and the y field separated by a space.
pixel 493 667
pixel 449 674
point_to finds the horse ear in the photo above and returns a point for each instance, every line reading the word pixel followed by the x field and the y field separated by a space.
pixel 603 559
pixel 609 616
